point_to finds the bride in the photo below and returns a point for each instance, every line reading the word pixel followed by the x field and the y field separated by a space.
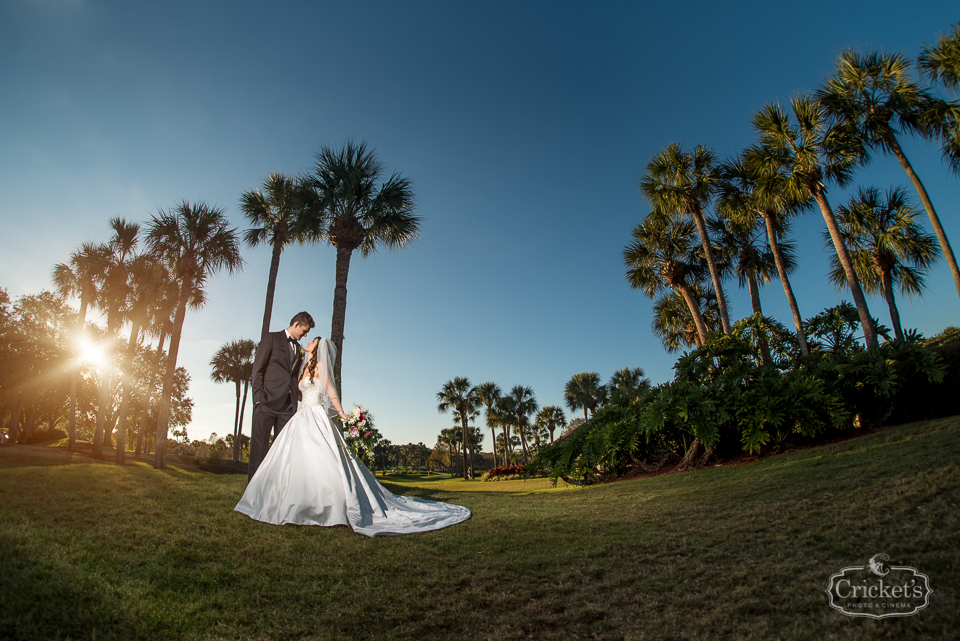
pixel 309 477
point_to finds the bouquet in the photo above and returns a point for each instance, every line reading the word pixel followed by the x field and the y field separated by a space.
pixel 359 433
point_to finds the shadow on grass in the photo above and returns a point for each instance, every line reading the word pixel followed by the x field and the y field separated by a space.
pixel 39 600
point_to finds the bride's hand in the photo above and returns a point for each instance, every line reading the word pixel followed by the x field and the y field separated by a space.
pixel 343 417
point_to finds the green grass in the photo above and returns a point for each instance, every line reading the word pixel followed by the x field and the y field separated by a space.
pixel 91 550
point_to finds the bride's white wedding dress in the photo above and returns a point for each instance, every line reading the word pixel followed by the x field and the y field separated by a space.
pixel 309 477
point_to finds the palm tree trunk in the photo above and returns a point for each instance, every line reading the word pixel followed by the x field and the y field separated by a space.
pixel 125 394
pixel 523 440
pixel 163 417
pixel 782 271
pixel 236 424
pixel 271 286
pixel 712 264
pixel 340 311
pixel 493 435
pixel 758 310
pixel 869 331
pixel 694 305
pixel 506 445
pixel 74 374
pixel 887 281
pixel 150 382
pixel 98 435
pixel 243 406
pixel 931 212
pixel 463 422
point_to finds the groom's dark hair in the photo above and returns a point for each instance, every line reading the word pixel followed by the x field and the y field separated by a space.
pixel 304 319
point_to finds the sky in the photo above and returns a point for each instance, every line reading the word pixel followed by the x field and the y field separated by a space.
pixel 524 127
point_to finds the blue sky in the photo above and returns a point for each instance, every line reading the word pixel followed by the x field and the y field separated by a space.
pixel 524 126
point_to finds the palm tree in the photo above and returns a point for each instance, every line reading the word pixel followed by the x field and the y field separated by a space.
pixel 522 404
pixel 743 195
pixel 194 241
pixel 584 391
pixel 349 206
pixel 275 220
pixel 247 350
pixel 459 396
pixel 664 255
pixel 805 151
pixel 874 96
pixel 488 393
pixel 79 277
pixel 674 325
pixel 629 383
pixel 683 184
pixel 112 299
pixel 148 279
pixel 552 417
pixel 226 367
pixel 887 245
pixel 940 63
pixel 503 415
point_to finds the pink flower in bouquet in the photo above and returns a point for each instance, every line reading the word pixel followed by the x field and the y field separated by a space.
pixel 367 435
pixel 354 431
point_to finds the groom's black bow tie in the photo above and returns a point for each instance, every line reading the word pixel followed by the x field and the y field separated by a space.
pixel 291 339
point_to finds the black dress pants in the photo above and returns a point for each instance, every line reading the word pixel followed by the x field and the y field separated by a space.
pixel 265 420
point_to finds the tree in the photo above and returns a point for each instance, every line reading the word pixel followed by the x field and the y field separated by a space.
pixel 233 363
pixel 673 323
pixel 148 280
pixel 194 241
pixel 875 98
pixel 805 152
pixel 683 184
pixel 744 194
pixel 887 245
pixel 347 204
pixel 112 298
pixel 552 417
pixel 663 255
pixel 522 404
pixel 275 219
pixel 628 383
pixel 461 397
pixel 79 277
pixel 940 63
pixel 584 391
pixel 488 393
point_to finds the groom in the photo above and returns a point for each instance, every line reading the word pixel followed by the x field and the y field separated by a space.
pixel 276 369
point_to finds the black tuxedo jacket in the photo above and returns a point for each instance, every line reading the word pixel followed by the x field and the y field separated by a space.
pixel 276 369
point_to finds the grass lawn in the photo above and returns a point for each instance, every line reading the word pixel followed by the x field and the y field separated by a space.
pixel 90 550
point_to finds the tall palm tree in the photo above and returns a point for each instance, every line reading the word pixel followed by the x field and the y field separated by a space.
pixel 488 393
pixel 349 205
pixel 522 403
pixel 806 152
pixel 79 277
pixel 112 299
pixel 664 255
pixel 503 413
pixel 552 417
pixel 875 97
pixel 148 279
pixel 744 194
pixel 461 397
pixel 584 391
pixel 683 184
pixel 674 325
pixel 195 242
pixel 887 245
pixel 274 214
pixel 629 383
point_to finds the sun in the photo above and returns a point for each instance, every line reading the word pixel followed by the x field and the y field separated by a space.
pixel 90 352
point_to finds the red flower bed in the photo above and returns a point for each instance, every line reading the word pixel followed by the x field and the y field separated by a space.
pixel 513 470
